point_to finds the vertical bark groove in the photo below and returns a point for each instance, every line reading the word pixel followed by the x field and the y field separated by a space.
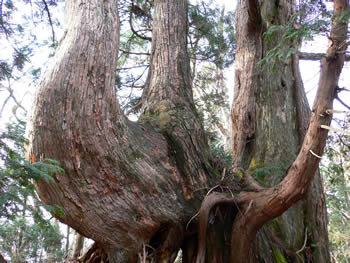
pixel 273 126
pixel 122 180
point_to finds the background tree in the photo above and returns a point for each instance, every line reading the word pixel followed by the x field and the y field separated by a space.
pixel 25 232
pixel 269 103
pixel 19 43
pixel 335 171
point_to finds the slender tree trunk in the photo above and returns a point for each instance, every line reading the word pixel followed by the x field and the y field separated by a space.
pixel 78 245
pixel 67 241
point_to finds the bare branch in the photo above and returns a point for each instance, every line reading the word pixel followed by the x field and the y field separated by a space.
pixel 4 105
pixel 134 31
pixel 134 53
pixel 128 68
pixel 342 102
pixel 50 21
pixel 316 56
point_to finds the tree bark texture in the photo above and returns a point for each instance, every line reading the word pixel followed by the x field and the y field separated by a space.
pixel 133 187
pixel 264 113
pixel 270 117
pixel 125 184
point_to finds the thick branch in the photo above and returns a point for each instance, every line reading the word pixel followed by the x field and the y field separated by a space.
pixel 208 203
pixel 317 56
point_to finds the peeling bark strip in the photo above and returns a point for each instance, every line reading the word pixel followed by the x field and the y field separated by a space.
pixel 125 184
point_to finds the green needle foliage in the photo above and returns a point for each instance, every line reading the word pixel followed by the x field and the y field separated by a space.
pixel 25 231
pixel 312 18
pixel 335 171
pixel 24 241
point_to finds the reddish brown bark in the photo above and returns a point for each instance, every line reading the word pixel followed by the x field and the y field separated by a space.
pixel 133 187
pixel 261 205
pixel 125 184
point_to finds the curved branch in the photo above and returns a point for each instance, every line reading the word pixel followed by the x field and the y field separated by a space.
pixel 134 31
pixel 208 203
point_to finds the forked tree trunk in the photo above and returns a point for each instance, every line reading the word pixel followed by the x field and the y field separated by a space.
pixel 133 187
pixel 126 185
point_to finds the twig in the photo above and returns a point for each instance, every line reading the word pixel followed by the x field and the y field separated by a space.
pixel 50 21
pixel 249 206
pixel 342 102
pixel 193 217
pixel 304 245
pixel 134 53
pixel 335 130
pixel 316 155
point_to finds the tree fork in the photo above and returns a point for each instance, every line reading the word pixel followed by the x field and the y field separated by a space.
pixel 123 181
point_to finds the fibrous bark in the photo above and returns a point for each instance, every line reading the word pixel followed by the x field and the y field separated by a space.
pixel 252 134
pixel 133 187
pixel 126 184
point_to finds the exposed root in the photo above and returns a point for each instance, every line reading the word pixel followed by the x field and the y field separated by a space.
pixel 95 254
pixel 208 203
pixel 145 257
pixel 228 184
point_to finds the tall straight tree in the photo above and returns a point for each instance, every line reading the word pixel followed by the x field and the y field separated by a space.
pixel 270 116
pixel 134 187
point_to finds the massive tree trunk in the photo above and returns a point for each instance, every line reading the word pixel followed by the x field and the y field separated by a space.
pixel 270 115
pixel 133 187
pixel 126 185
